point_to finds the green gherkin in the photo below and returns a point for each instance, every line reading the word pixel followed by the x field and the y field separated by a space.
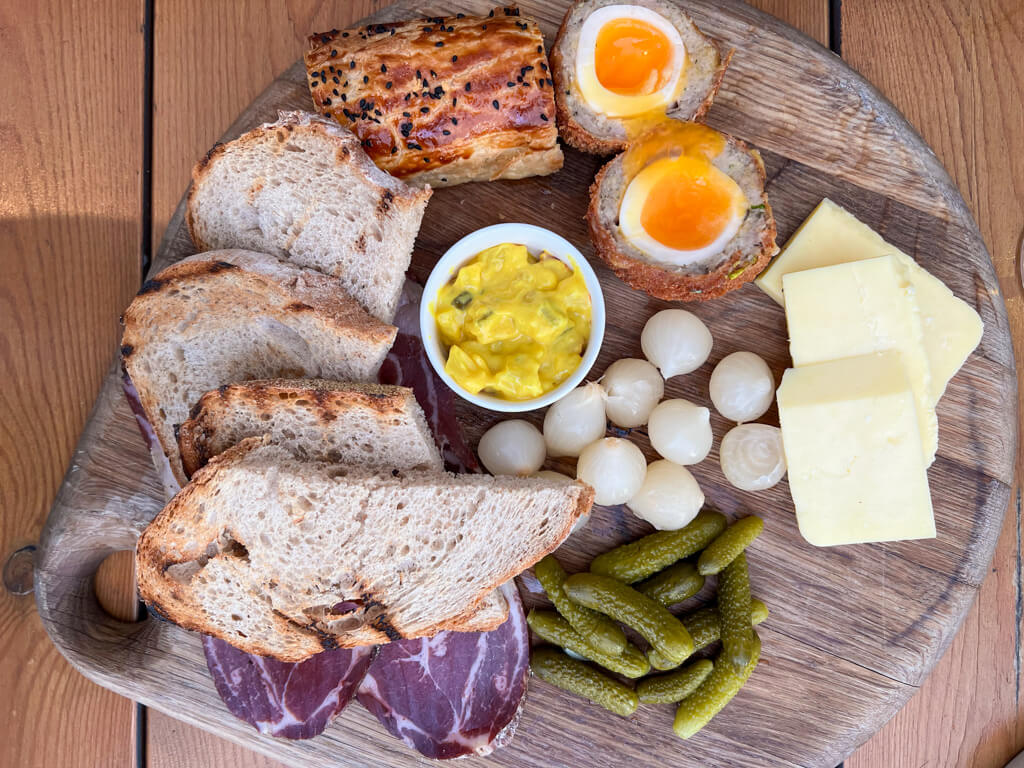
pixel 673 585
pixel 705 628
pixel 711 696
pixel 600 632
pixel 554 667
pixel 728 544
pixel 551 627
pixel 668 689
pixel 650 554
pixel 734 613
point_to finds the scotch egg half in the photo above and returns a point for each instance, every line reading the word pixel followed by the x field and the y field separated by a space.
pixel 630 61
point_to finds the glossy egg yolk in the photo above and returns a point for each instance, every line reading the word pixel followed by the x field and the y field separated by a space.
pixel 632 57
pixel 689 203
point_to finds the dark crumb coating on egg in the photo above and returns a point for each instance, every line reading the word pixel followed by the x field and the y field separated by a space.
pixel 440 100
pixel 742 259
pixel 589 131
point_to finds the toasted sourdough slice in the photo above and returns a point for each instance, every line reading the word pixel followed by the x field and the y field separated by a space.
pixel 350 423
pixel 286 558
pixel 304 190
pixel 739 262
pixel 229 316
pixel 584 126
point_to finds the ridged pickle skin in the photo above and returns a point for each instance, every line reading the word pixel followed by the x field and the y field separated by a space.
pixel 704 627
pixel 729 544
pixel 668 689
pixel 673 585
pixel 597 630
pixel 650 554
pixel 555 667
pixel 621 602
pixel 549 626
pixel 711 696
pixel 734 613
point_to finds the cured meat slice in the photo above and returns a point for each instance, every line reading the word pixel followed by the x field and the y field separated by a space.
pixel 407 365
pixel 291 701
pixel 454 694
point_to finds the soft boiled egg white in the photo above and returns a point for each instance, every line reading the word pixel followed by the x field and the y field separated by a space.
pixel 629 61
pixel 681 210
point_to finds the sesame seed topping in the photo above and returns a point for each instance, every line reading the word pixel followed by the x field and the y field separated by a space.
pixel 352 64
pixel 334 52
pixel 543 117
pixel 433 74
pixel 344 97
pixel 540 49
pixel 424 110
pixel 438 44
pixel 467 86
pixel 407 114
pixel 495 104
pixel 446 132
pixel 336 79
pixel 334 91
pixel 455 121
pixel 454 59
pixel 426 159
pixel 344 34
pixel 366 79
pixel 388 85
pixel 510 84
pixel 383 67
pixel 393 150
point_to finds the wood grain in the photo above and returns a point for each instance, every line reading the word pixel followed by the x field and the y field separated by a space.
pixel 211 59
pixel 864 622
pixel 955 69
pixel 71 132
pixel 809 16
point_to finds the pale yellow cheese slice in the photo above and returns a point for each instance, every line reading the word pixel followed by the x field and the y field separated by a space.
pixel 856 309
pixel 853 449
pixel 831 235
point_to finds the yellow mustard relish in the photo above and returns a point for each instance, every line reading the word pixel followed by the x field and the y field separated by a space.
pixel 515 325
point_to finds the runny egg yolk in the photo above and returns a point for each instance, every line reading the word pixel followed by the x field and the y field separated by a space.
pixel 689 203
pixel 632 57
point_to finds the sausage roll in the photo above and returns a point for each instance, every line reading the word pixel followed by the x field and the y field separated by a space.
pixel 442 101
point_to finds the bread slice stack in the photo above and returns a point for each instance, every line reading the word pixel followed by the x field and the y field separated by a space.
pixel 228 316
pixel 285 557
pixel 303 190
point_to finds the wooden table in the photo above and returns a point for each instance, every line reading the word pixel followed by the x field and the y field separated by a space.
pixel 96 150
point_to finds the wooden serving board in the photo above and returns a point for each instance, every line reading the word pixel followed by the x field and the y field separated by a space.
pixel 854 630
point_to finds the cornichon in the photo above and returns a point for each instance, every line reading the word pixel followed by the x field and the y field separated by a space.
pixel 660 628
pixel 704 627
pixel 728 544
pixel 600 632
pixel 574 676
pixel 717 690
pixel 668 689
pixel 673 585
pixel 734 613
pixel 549 626
pixel 645 557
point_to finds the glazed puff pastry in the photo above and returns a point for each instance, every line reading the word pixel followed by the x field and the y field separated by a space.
pixel 442 101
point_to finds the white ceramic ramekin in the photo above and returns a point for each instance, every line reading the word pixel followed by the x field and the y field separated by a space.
pixel 536 239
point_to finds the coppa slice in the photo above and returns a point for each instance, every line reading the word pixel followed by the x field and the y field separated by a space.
pixel 287 558
pixel 290 701
pixel 229 316
pixel 454 694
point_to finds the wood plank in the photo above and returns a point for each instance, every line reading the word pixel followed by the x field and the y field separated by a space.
pixel 211 59
pixel 809 16
pixel 71 131
pixel 955 69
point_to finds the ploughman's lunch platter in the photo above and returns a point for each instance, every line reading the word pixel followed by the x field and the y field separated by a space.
pixel 562 384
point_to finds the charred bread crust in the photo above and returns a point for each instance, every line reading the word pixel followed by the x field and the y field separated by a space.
pixel 442 100
pixel 574 133
pixel 669 283
pixel 196 432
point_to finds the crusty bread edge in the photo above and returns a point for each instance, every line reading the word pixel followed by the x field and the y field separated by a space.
pixel 670 286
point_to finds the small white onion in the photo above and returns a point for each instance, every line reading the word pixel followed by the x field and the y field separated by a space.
pixel 681 431
pixel 614 467
pixel 632 388
pixel 752 456
pixel 669 498
pixel 742 388
pixel 513 447
pixel 575 421
pixel 550 474
pixel 676 341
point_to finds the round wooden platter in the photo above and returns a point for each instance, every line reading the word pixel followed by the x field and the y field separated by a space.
pixel 854 630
